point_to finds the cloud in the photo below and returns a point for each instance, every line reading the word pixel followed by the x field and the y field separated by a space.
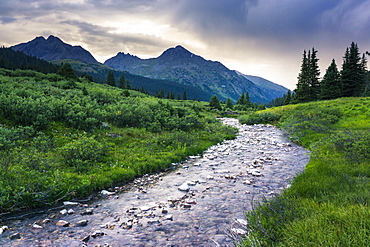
pixel 258 37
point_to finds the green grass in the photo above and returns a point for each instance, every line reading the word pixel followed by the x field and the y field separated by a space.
pixel 328 204
pixel 63 139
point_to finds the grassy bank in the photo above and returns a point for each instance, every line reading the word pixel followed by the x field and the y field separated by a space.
pixel 61 139
pixel 328 204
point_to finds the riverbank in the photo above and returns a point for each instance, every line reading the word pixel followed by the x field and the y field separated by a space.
pixel 201 203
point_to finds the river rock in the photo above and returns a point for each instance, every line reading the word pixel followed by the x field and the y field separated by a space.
pixel 82 223
pixel 238 231
pixel 36 226
pixel 97 234
pixel 3 229
pixel 62 223
pixel 184 187
pixel 70 203
pixel 16 235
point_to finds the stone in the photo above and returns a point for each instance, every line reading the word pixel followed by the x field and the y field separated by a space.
pixel 168 217
pixel 107 193
pixel 36 226
pixel 82 223
pixel 145 208
pixel 3 229
pixel 97 234
pixel 63 212
pixel 242 222
pixel 238 231
pixel 16 235
pixel 184 187
pixel 86 238
pixel 70 211
pixel 88 211
pixel 62 223
pixel 70 203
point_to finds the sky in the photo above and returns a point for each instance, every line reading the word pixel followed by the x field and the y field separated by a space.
pixel 263 38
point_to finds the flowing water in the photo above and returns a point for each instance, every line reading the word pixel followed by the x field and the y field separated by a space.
pixel 201 203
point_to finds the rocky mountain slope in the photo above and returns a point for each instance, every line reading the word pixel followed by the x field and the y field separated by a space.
pixel 53 48
pixel 179 64
pixel 176 65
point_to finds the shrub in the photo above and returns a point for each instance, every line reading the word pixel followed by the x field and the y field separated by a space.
pixel 259 118
pixel 83 153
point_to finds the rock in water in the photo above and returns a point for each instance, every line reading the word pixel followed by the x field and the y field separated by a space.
pixel 184 187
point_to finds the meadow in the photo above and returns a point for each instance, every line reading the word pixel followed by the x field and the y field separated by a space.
pixel 327 204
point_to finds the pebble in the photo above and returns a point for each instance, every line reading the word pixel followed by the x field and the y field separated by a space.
pixel 62 223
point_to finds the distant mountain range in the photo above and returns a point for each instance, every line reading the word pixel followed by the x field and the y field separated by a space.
pixel 175 65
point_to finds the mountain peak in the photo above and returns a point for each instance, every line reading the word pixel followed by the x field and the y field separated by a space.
pixel 53 48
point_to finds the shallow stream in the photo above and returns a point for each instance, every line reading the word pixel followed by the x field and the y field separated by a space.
pixel 201 203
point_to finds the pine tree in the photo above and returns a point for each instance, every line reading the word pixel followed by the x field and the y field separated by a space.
pixel 67 71
pixel 287 98
pixel 121 82
pixel 184 97
pixel 111 80
pixel 302 91
pixel 314 75
pixel 229 104
pixel 331 87
pixel 214 103
pixel 353 74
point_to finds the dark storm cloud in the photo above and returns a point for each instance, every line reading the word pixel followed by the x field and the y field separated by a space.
pixel 266 35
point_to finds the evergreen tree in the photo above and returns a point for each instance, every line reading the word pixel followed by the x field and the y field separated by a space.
pixel 178 97
pixel 111 80
pixel 353 74
pixel 287 98
pixel 161 94
pixel 331 84
pixel 67 71
pixel 314 76
pixel 241 100
pixel 302 91
pixel 214 103
pixel 229 104
pixel 122 82
pixel 184 97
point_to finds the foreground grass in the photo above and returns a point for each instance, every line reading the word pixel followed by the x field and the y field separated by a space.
pixel 62 139
pixel 328 204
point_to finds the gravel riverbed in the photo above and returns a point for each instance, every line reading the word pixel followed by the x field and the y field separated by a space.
pixel 201 203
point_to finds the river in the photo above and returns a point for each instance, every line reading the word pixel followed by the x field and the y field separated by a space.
pixel 200 203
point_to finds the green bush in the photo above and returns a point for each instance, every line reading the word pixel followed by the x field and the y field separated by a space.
pixel 83 153
pixel 259 118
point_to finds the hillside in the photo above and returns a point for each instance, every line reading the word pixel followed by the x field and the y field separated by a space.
pixel 180 65
pixel 64 139
pixel 269 88
pixel 328 204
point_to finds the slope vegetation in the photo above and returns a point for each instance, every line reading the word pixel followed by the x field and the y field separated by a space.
pixel 328 204
pixel 62 139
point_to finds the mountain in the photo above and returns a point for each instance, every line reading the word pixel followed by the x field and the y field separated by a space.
pixel 53 48
pixel 268 87
pixel 179 64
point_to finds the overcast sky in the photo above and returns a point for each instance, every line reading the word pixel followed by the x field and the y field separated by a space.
pixel 256 37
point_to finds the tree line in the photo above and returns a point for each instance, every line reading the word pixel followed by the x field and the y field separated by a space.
pixel 351 81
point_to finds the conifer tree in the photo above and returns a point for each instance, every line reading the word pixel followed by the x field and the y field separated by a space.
pixel 308 86
pixel 331 84
pixel 67 71
pixel 111 80
pixel 353 74
pixel 122 82
pixel 214 103
pixel 229 104
pixel 314 73
pixel 287 98
pixel 184 97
